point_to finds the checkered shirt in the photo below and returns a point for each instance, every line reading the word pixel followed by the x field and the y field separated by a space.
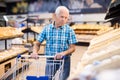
pixel 57 39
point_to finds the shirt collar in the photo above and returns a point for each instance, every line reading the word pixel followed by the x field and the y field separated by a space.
pixel 53 26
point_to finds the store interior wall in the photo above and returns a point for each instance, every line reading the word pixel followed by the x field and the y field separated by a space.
pixel 75 17
pixel 88 17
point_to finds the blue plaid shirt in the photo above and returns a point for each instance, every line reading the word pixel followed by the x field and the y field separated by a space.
pixel 57 39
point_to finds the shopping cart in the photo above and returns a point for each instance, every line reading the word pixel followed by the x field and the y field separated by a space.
pixel 42 68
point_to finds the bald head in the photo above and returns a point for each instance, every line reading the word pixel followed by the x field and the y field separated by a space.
pixel 61 9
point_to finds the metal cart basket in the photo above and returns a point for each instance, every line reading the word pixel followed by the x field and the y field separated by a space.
pixel 43 68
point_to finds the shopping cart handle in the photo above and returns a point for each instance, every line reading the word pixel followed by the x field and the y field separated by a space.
pixel 29 56
pixel 63 57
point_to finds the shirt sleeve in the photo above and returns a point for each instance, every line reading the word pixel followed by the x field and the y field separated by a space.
pixel 42 35
pixel 72 38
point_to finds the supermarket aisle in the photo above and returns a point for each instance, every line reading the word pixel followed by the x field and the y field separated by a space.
pixel 77 56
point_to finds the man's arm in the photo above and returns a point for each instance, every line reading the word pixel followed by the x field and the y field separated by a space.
pixel 67 52
pixel 36 48
pixel 70 50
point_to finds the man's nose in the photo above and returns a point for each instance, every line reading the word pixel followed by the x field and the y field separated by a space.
pixel 63 19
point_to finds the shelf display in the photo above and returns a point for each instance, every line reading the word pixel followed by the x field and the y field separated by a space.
pixel 102 54
pixel 9 32
pixel 37 29
pixel 102 41
pixel 14 51
pixel 110 63
pixel 103 47
pixel 86 32
pixel 8 56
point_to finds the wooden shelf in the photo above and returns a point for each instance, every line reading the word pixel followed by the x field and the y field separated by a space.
pixel 37 29
pixel 9 33
pixel 91 30
pixel 11 53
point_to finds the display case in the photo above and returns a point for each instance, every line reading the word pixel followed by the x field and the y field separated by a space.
pixel 102 54
pixel 8 55
pixel 86 32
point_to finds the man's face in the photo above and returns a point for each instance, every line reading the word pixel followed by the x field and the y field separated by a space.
pixel 62 18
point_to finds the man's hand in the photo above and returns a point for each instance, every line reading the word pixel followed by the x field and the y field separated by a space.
pixel 34 55
pixel 59 55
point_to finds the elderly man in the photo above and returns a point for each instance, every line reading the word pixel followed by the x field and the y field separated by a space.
pixel 60 39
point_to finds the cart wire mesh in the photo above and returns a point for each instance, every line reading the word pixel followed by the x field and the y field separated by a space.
pixel 42 68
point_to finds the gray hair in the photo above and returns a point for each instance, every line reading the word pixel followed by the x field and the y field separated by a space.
pixel 57 11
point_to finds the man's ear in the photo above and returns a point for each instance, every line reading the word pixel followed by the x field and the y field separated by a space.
pixel 54 16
